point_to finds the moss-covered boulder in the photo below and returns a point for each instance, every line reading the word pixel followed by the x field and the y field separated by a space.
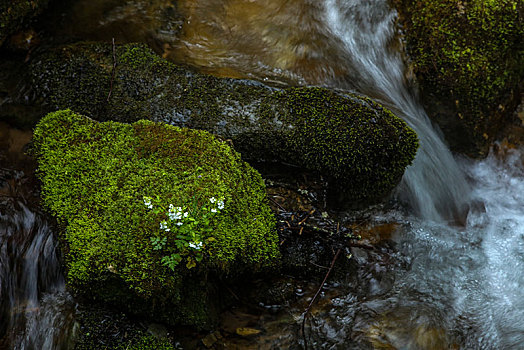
pixel 16 13
pixel 150 212
pixel 468 58
pixel 352 140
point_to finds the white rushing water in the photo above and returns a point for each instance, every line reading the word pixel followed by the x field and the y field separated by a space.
pixel 36 311
pixel 499 304
pixel 434 185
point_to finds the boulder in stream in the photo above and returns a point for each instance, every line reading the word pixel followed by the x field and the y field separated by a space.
pixel 151 213
pixel 355 142
pixel 468 59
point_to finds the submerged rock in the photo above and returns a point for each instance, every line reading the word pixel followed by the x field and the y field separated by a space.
pixel 468 57
pixel 361 146
pixel 150 212
pixel 409 328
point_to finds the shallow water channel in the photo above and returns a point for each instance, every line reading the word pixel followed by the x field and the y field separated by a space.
pixel 450 273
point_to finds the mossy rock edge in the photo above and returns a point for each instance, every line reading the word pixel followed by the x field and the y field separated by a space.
pixel 356 143
pixel 468 58
pixel 94 180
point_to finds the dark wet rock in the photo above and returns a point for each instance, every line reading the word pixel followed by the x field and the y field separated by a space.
pixel 513 134
pixel 467 56
pixel 16 105
pixel 157 330
pixel 102 328
pixel 15 14
pixel 358 144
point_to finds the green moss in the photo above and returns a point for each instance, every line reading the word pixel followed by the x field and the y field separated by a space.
pixel 148 342
pixel 15 13
pixel 359 143
pixel 356 143
pixel 140 341
pixel 103 329
pixel 468 57
pixel 94 177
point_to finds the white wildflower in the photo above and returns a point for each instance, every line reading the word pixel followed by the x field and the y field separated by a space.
pixel 175 213
pixel 174 216
pixel 220 204
pixel 196 246
pixel 213 210
pixel 147 202
pixel 212 199
pixel 163 226
pixel 186 214
pixel 179 223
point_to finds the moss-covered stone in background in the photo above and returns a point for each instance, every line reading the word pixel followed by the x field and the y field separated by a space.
pixel 352 140
pixel 94 179
pixel 16 13
pixel 468 57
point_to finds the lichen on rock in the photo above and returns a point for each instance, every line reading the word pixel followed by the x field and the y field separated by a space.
pixel 467 56
pixel 95 177
pixel 355 142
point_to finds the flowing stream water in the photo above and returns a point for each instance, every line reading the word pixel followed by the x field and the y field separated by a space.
pixel 434 185
pixel 454 278
pixel 35 310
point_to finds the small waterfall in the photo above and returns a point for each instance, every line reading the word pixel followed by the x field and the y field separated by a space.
pixel 434 185
pixel 35 310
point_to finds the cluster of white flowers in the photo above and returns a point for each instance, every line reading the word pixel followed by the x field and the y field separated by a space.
pixel 220 204
pixel 196 245
pixel 147 202
pixel 163 226
pixel 178 214
pixel 175 213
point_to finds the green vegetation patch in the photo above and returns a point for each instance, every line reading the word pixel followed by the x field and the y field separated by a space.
pixel 360 146
pixel 126 195
pixel 468 56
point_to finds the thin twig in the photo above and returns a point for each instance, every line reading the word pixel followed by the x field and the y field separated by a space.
pixel 304 219
pixel 311 227
pixel 112 71
pixel 274 201
pixel 319 266
pixel 316 295
pixel 233 294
